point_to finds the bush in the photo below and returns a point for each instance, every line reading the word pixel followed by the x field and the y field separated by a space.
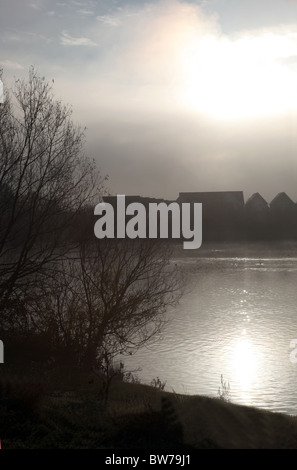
pixel 21 395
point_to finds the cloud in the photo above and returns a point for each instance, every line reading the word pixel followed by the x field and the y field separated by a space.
pixel 172 55
pixel 155 82
pixel 288 61
pixel 10 65
pixel 35 6
pixel 68 40
pixel 142 54
pixel 109 20
pixel 85 12
pixel 145 135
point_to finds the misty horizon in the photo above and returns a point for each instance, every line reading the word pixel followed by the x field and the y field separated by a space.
pixel 176 95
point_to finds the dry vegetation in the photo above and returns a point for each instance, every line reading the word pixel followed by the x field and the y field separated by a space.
pixel 136 416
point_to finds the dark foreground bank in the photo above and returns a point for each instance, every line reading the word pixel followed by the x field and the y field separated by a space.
pixel 136 416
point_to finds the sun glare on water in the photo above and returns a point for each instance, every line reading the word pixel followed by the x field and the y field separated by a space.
pixel 238 79
pixel 244 363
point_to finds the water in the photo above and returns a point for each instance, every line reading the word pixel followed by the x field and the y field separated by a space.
pixel 237 320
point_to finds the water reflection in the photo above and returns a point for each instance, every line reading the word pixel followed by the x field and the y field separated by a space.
pixel 237 320
pixel 245 363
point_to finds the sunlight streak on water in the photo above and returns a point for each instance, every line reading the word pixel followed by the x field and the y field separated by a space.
pixel 237 320
pixel 244 363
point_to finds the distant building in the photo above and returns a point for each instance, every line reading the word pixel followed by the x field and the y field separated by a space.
pixel 222 213
pixel 284 216
pixel 258 219
pixel 282 204
pixel 256 204
pixel 225 200
pixel 226 217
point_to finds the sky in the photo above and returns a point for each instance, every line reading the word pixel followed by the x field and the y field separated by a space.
pixel 176 95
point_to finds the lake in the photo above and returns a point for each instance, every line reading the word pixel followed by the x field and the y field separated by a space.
pixel 237 319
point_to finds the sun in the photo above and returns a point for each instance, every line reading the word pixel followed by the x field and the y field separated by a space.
pixel 242 78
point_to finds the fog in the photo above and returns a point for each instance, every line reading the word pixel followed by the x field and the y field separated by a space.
pixel 176 96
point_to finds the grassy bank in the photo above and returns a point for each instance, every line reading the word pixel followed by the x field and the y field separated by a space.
pixel 70 413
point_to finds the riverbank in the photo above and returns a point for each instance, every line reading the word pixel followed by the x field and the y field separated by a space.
pixel 136 416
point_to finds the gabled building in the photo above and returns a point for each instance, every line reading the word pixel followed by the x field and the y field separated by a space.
pixel 222 213
pixel 225 216
pixel 284 216
pixel 282 203
pixel 256 204
pixel 257 218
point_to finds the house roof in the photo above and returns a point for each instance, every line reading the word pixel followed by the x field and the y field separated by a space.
pixel 281 201
pixel 256 201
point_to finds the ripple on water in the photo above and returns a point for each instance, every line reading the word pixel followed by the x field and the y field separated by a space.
pixel 237 319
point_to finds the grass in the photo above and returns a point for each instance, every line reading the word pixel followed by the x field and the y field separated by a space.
pixel 69 413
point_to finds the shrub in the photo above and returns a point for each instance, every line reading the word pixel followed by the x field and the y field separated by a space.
pixel 21 395
pixel 224 390
pixel 157 383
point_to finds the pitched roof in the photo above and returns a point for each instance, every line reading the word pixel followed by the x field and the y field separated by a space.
pixel 256 201
pixel 281 201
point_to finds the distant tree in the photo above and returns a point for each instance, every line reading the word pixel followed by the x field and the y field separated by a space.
pixel 45 180
pixel 112 297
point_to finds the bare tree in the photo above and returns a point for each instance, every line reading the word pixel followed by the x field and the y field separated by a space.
pixel 113 297
pixel 86 295
pixel 45 179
